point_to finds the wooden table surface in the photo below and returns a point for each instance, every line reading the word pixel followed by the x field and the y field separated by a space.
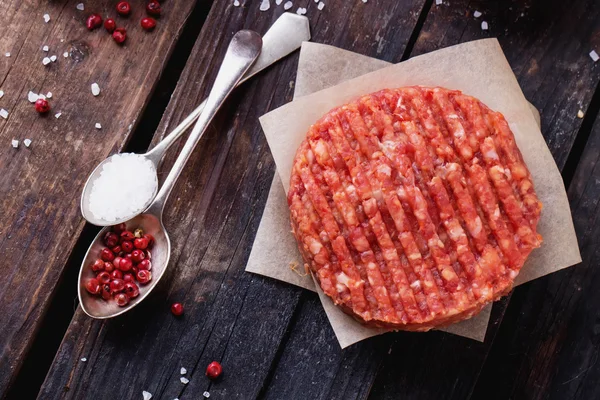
pixel 273 340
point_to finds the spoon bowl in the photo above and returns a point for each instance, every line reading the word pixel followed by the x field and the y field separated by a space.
pixel 160 252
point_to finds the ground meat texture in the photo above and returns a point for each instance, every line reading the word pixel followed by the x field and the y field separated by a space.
pixel 413 207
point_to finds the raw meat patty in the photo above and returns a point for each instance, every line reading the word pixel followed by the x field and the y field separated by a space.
pixel 413 207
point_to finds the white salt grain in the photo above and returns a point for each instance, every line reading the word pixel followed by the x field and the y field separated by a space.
pixel 66 54
pixel 236 3
pixel 288 5
pixel 477 14
pixel 49 95
pixel 115 195
pixel 46 18
pixel 301 11
pixel 1 94
pixel 3 113
pixel 45 48
pixel 32 97
pixel 321 6
pixel 27 143
pixel 98 126
pixel 364 1
pixel 95 89
pixel 183 371
pixel 265 5
pixel 147 395
pixel 206 395
pixel 594 55
pixel 580 114
pixel 53 58
pixel 80 7
pixel 57 115
pixel 278 2
pixel 484 25
pixel 185 381
pixel 84 359
pixel 46 61
pixel 438 2
pixel 7 54
pixel 14 143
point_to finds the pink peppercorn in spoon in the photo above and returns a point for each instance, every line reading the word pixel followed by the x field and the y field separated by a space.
pixel 241 54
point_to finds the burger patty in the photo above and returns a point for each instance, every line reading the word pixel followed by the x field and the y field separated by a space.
pixel 413 207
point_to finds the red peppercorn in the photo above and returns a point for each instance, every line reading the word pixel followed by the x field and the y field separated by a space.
pixel 140 243
pixel 150 239
pixel 42 106
pixel 117 285
pixel 93 21
pixel 110 25
pixel 118 229
pixel 98 265
pixel 116 274
pixel 131 290
pixel 127 246
pixel 153 8
pixel 148 23
pixel 144 276
pixel 128 255
pixel 92 286
pixel 116 249
pixel 122 299
pixel 137 255
pixel 134 271
pixel 145 264
pixel 103 277
pixel 127 235
pixel 148 254
pixel 111 239
pixel 107 255
pixel 125 264
pixel 119 35
pixel 123 8
pixel 105 292
pixel 109 267
pixel 177 309
pixel 214 370
pixel 127 277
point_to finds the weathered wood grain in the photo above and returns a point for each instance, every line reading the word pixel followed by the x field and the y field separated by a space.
pixel 238 318
pixel 40 186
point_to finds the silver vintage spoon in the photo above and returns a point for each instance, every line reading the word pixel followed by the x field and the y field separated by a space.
pixel 285 36
pixel 241 54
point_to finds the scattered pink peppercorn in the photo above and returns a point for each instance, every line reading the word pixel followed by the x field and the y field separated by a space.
pixel 137 256
pixel 121 299
pixel 145 264
pixel 110 25
pixel 107 255
pixel 131 290
pixel 109 266
pixel 117 285
pixel 214 370
pixel 92 286
pixel 150 239
pixel 116 274
pixel 140 243
pixel 111 239
pixel 98 265
pixel 125 264
pixel 123 8
pixel 128 277
pixel 119 35
pixel 144 276
pixel 42 106
pixel 103 277
pixel 105 292
pixel 148 23
pixel 127 246
pixel 177 309
pixel 93 21
pixel 127 235
pixel 153 8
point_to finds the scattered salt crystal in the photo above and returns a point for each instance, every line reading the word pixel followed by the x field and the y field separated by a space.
pixel 45 48
pixel 1 93
pixel 321 6
pixel 95 89
pixel 316 1
pixel 49 95
pixel 484 25
pixel 236 3
pixel 46 61
pixel 32 97
pixel 477 14
pixel 580 114
pixel 278 2
pixel 288 5
pixel 84 359
pixel 98 126
pixel 66 54
pixel 438 2
pixel 183 371
pixel 57 115
pixel 3 113
pixel 53 58
pixel 147 395
pixel 46 18
pixel 7 54
pixel 14 143
pixel 594 55
pixel 27 143
pixel 364 1
pixel 265 5
pixel 115 195
pixel 206 395
pixel 80 7
pixel 301 11
pixel 185 381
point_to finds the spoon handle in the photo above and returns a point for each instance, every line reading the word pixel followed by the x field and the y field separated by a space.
pixel 241 54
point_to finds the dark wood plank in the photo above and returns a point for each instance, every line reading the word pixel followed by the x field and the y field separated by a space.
pixel 240 319
pixel 40 186
pixel 548 49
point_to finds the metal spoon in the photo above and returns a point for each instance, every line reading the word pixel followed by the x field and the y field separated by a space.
pixel 285 36
pixel 241 54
